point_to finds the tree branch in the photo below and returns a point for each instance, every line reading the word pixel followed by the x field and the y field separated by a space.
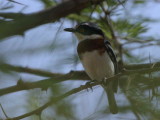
pixel 8 67
pixel 46 83
pixel 75 75
pixel 38 72
pixel 76 90
pixel 142 66
pixel 22 22
pixel 54 100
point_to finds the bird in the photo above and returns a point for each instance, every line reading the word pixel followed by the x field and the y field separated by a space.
pixel 97 57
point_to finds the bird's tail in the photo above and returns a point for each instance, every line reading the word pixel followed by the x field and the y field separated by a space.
pixel 111 99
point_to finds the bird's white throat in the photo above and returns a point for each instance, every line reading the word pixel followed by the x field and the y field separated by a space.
pixel 82 37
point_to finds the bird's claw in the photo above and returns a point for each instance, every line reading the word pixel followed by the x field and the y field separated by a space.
pixel 90 87
pixel 89 84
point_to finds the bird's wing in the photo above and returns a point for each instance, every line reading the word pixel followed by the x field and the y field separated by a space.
pixel 114 60
pixel 111 55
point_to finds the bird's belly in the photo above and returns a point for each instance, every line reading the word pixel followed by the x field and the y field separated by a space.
pixel 97 65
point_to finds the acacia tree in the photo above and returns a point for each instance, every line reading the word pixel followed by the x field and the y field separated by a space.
pixel 139 82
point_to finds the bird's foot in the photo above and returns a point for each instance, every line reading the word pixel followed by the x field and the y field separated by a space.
pixel 89 84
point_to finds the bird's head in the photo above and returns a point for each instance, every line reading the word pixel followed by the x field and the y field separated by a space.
pixel 86 30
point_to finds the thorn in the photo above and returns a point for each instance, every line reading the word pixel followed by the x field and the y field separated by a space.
pixel 20 82
pixel 39 114
pixel 71 72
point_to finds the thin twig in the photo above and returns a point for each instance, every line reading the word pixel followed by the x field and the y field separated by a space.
pixel 90 16
pixel 16 2
pixel 3 111
pixel 134 40
pixel 56 35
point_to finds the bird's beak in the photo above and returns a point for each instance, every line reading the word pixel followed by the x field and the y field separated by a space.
pixel 70 29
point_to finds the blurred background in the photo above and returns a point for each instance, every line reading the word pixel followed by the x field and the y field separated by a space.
pixel 48 48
